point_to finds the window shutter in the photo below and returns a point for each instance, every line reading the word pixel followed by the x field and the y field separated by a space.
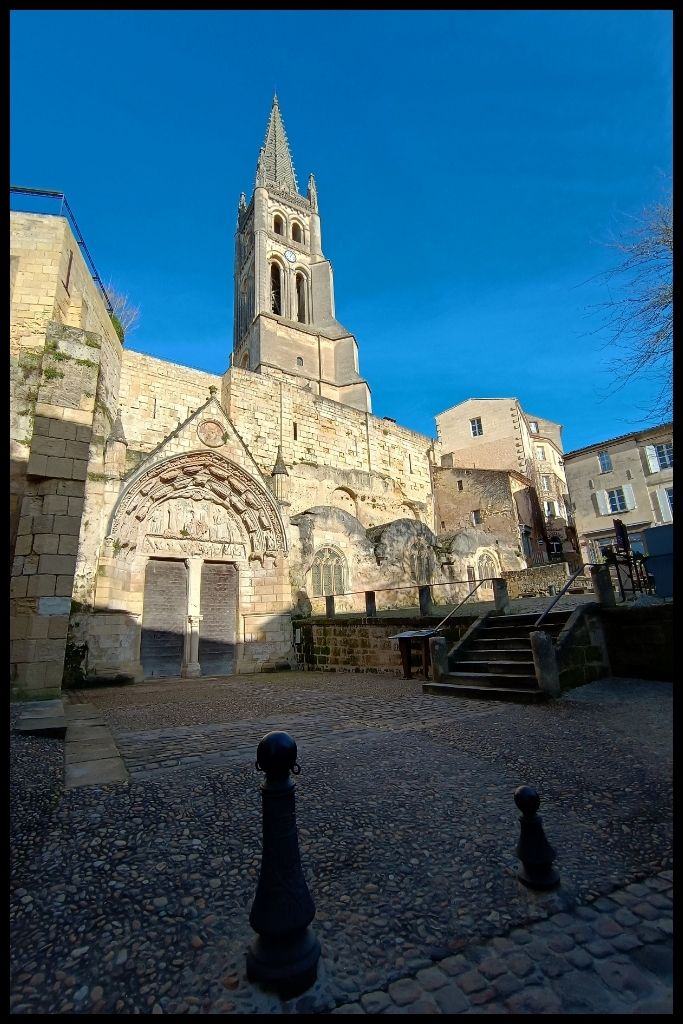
pixel 602 502
pixel 664 506
pixel 629 497
pixel 651 456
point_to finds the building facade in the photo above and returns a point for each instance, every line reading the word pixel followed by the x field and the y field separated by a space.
pixel 496 434
pixel 165 521
pixel 628 478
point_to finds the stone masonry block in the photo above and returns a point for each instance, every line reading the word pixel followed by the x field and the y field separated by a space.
pixel 25 526
pixel 64 586
pixel 56 564
pixel 43 524
pixel 30 674
pixel 48 446
pixel 55 503
pixel 41 426
pixel 54 671
pixel 41 586
pixel 49 650
pixel 45 543
pixel 29 566
pixel 22 650
pixel 77 449
pixel 68 545
pixel 18 586
pixel 23 545
pixel 37 627
pixel 37 465
pixel 84 433
pixel 60 428
pixel 80 469
pixel 76 506
pixel 59 467
pixel 67 524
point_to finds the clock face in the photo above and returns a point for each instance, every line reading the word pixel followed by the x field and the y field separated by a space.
pixel 289 255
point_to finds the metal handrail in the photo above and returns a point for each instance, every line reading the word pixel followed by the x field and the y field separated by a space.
pixel 454 610
pixel 47 193
pixel 587 565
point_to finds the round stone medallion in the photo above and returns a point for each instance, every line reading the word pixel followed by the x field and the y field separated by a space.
pixel 211 433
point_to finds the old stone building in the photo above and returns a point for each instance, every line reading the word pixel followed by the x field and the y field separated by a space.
pixel 630 478
pixel 169 521
pixel 496 434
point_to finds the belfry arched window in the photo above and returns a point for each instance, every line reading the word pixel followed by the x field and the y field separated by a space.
pixel 296 232
pixel 278 225
pixel 328 573
pixel 276 289
pixel 301 298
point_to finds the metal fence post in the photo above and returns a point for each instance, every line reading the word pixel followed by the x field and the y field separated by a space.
pixel 329 606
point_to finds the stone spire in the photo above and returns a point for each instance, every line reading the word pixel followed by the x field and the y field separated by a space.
pixel 275 165
pixel 279 469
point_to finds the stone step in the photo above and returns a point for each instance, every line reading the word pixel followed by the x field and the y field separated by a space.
pixel 516 632
pixel 495 679
pixel 449 689
pixel 493 667
pixel 527 617
pixel 495 653
pixel 485 644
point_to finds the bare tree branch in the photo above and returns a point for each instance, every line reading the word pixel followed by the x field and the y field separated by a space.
pixel 127 315
pixel 638 315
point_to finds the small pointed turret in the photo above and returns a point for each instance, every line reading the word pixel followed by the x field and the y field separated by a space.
pixel 279 477
pixel 275 165
pixel 117 433
pixel 312 193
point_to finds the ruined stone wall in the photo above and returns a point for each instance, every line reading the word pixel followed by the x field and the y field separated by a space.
pixel 535 581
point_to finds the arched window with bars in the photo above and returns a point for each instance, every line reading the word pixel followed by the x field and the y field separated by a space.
pixel 328 573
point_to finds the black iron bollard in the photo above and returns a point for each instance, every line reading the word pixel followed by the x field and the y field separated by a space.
pixel 285 954
pixel 533 849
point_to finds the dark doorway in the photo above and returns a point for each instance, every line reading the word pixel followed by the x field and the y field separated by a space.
pixel 164 614
pixel 217 626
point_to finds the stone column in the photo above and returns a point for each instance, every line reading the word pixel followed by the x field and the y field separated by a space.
pixel 545 662
pixel 424 594
pixel 602 585
pixel 191 667
pixel 501 597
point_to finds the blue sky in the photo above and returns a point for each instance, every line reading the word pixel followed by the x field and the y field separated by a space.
pixel 471 166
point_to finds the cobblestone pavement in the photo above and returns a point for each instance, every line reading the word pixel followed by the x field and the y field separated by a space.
pixel 135 897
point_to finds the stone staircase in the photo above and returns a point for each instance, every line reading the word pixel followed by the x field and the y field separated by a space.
pixel 494 660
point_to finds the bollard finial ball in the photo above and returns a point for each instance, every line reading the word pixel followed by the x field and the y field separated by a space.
pixel 527 799
pixel 276 754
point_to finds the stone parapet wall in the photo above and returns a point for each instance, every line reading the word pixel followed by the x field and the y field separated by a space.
pixel 535 581
pixel 640 641
pixel 362 645
pixel 581 650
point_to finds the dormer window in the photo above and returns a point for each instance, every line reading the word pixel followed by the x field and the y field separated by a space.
pixel 278 225
pixel 296 233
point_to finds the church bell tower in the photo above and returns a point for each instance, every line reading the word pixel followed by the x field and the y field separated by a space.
pixel 284 322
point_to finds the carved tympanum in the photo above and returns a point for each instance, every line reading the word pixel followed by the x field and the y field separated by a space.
pixel 200 502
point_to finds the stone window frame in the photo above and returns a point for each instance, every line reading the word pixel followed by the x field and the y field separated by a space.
pixel 329 572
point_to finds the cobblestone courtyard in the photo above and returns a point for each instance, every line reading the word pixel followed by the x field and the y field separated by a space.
pixel 135 897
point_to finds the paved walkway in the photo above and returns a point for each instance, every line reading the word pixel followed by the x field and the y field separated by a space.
pixel 134 897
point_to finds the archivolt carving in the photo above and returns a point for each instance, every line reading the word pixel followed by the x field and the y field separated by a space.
pixel 201 501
